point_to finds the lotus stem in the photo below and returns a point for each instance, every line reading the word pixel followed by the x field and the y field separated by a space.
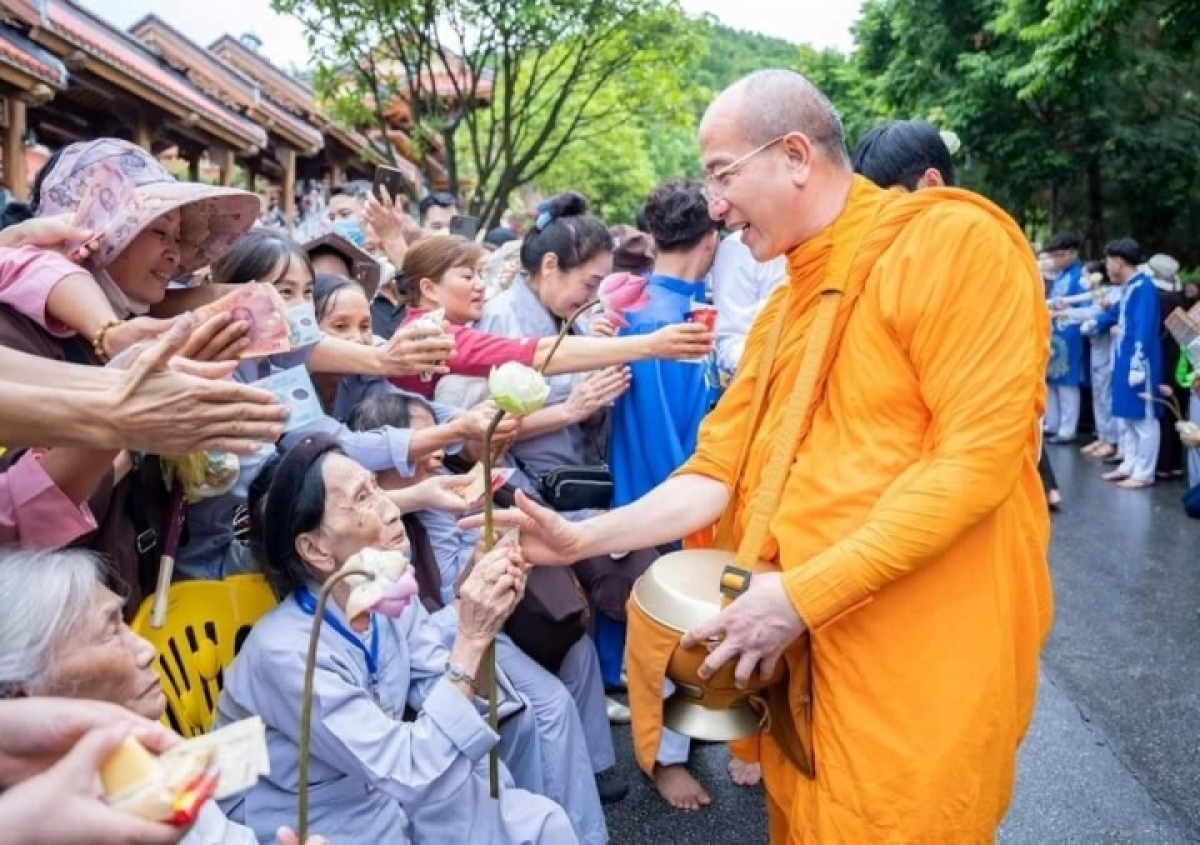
pixel 1171 403
pixel 566 327
pixel 310 668
pixel 489 542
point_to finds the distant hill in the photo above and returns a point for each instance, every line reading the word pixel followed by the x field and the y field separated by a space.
pixel 733 53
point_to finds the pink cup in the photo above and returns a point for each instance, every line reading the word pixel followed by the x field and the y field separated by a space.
pixel 706 315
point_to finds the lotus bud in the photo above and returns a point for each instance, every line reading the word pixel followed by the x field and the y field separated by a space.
pixel 518 389
pixel 388 591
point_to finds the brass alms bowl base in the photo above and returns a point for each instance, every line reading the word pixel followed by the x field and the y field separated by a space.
pixel 683 715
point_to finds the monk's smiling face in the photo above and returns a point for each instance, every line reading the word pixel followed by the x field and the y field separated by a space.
pixel 751 188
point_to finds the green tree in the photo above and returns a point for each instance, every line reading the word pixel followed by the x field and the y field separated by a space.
pixel 501 90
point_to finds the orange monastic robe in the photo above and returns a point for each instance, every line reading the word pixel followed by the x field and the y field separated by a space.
pixel 913 531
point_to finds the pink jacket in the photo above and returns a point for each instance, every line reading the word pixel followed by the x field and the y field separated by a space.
pixel 34 512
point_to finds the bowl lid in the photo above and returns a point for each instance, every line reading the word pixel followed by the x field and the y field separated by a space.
pixel 683 589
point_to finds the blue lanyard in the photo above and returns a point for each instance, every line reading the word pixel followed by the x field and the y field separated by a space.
pixel 308 603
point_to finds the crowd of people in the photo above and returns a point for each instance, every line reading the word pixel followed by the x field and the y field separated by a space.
pixel 117 363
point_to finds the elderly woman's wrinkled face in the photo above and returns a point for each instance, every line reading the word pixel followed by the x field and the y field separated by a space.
pixel 564 291
pixel 358 515
pixel 104 660
pixel 144 269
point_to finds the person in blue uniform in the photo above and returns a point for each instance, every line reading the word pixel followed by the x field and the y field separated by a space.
pixel 1064 374
pixel 1137 366
pixel 654 425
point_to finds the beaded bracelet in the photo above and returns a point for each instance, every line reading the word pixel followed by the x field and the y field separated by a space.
pixel 98 340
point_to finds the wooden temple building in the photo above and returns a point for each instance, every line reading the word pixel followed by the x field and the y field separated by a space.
pixel 66 75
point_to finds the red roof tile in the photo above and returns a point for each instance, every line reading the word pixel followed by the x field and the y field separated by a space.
pixel 28 58
pixel 110 45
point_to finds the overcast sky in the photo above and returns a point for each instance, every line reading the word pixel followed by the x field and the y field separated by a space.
pixel 822 23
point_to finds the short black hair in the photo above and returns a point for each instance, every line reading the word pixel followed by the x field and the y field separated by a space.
pixel 1063 241
pixel 677 215
pixel 261 255
pixel 1127 249
pixel 564 227
pixel 347 189
pixel 325 287
pixel 437 199
pixel 898 153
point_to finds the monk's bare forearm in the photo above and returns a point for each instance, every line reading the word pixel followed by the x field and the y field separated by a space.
pixel 680 506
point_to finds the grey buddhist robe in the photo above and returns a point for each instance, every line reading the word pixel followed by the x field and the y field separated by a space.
pixel 373 777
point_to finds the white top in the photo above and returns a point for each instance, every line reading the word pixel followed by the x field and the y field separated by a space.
pixel 740 286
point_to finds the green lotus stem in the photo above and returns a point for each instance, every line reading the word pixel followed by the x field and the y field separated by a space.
pixel 310 670
pixel 562 333
pixel 489 543
pixel 1171 404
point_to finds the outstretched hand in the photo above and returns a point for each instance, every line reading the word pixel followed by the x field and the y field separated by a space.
pixel 546 538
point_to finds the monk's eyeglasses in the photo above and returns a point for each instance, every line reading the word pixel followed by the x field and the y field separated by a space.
pixel 716 182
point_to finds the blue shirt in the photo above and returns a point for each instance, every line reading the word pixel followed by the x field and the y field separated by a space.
pixel 654 425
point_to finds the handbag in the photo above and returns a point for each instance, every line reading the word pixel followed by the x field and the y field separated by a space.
pixel 577 488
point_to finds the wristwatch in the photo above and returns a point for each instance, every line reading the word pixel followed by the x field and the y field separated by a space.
pixel 456 674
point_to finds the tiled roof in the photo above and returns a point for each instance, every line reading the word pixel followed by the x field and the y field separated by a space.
pixel 22 54
pixel 111 46
pixel 225 82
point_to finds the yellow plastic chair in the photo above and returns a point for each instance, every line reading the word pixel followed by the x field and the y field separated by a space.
pixel 207 622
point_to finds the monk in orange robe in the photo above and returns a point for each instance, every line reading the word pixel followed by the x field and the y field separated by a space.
pixel 911 539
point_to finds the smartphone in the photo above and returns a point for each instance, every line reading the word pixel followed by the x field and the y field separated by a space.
pixel 393 180
pixel 465 225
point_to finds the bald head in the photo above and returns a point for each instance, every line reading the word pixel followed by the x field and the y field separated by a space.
pixel 772 103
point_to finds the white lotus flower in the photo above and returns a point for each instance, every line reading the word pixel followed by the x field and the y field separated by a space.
pixel 518 389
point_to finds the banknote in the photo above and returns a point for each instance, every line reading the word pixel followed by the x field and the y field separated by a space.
pixel 473 491
pixel 261 306
pixel 239 752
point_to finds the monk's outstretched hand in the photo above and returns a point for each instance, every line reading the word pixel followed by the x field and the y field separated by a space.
pixel 546 538
pixel 755 629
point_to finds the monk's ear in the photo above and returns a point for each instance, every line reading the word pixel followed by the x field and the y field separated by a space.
pixel 798 149
pixel 313 548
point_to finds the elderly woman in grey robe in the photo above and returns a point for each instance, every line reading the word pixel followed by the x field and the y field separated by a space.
pixel 399 740
pixel 62 635
pixel 573 728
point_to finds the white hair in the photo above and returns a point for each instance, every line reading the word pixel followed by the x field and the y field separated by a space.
pixel 46 594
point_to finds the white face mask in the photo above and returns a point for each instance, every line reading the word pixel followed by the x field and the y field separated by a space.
pixel 122 304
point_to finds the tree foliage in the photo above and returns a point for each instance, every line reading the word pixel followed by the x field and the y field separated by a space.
pixel 1070 118
pixel 501 90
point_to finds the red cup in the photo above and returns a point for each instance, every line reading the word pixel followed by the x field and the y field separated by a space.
pixel 706 315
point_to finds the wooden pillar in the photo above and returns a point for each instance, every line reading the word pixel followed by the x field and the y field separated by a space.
pixel 336 175
pixel 194 167
pixel 251 177
pixel 226 165
pixel 16 175
pixel 287 157
pixel 142 136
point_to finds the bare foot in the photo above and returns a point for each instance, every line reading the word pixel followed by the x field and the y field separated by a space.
pixel 1134 484
pixel 1115 475
pixel 679 789
pixel 744 774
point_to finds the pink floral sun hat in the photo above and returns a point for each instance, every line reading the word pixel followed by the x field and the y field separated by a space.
pixel 116 189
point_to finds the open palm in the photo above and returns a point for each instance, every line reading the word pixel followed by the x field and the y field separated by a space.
pixel 546 538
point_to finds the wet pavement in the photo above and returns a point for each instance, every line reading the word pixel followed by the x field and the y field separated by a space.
pixel 1113 756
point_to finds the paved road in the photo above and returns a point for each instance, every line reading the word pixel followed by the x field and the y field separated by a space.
pixel 1113 757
